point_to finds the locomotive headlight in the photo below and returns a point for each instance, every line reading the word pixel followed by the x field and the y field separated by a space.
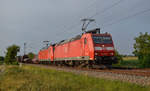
pixel 98 48
pixel 96 53
pixel 109 48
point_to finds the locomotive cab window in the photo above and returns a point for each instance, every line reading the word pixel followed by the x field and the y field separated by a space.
pixel 102 39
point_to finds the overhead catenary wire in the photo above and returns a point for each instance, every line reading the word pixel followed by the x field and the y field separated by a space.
pixel 104 10
pixel 77 24
pixel 127 17
pixel 139 2
pixel 97 13
pixel 101 12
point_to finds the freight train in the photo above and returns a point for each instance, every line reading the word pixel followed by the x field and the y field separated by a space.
pixel 89 49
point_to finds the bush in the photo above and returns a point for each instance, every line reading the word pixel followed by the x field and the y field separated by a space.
pixel 142 49
pixel 118 56
pixel 145 62
pixel 11 54
pixel 31 55
pixel 1 58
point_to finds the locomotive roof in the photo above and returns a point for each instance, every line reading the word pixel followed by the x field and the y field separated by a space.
pixel 69 40
pixel 44 48
pixel 93 32
pixel 103 34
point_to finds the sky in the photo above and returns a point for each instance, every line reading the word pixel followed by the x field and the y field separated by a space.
pixel 34 21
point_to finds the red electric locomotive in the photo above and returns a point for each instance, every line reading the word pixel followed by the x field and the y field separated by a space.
pixel 46 55
pixel 90 48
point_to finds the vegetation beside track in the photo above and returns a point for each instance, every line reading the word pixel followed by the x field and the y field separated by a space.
pixel 130 58
pixel 129 62
pixel 29 78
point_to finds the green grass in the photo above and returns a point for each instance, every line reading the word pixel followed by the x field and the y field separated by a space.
pixel 130 63
pixel 29 78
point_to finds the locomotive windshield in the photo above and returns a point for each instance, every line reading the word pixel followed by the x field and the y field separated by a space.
pixel 102 39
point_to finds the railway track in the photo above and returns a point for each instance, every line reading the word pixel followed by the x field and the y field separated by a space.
pixel 136 72
pixel 123 71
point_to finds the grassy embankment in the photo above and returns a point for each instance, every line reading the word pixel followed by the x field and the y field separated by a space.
pixel 28 78
pixel 132 62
